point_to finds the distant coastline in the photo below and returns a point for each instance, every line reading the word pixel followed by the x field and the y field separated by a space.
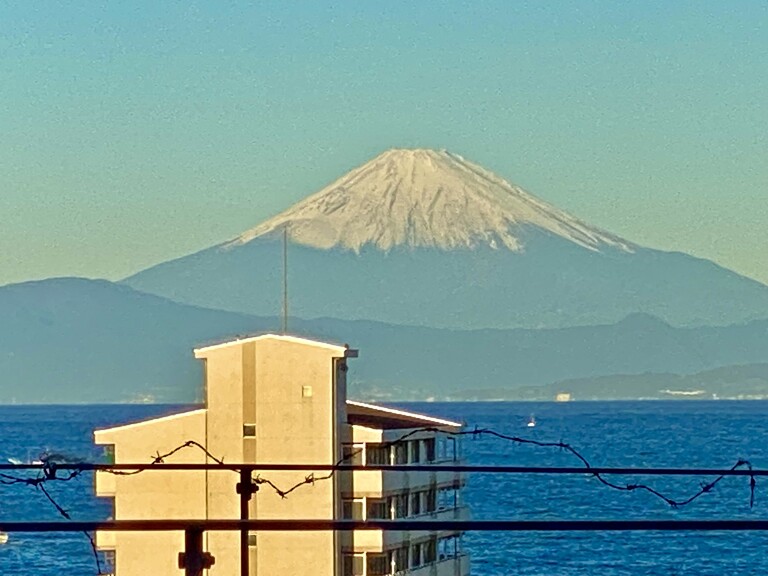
pixel 670 399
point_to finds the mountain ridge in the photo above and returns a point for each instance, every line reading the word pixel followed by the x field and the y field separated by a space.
pixel 84 340
pixel 734 382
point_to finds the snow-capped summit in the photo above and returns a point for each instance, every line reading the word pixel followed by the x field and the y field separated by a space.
pixel 424 198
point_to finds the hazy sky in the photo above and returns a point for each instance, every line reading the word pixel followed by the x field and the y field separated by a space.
pixel 132 133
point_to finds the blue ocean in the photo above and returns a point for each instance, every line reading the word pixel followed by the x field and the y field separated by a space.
pixel 640 434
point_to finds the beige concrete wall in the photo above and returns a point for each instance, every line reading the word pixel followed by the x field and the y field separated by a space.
pixel 295 408
pixel 224 383
pixel 289 390
pixel 153 494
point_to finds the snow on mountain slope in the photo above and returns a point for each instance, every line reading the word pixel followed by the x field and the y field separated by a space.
pixel 424 198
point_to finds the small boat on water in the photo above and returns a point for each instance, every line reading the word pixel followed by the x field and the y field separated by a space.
pixel 17 462
pixel 29 460
pixel 3 537
pixel 531 422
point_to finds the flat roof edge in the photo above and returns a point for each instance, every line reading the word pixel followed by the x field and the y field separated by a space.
pixel 344 351
pixel 406 414
pixel 134 425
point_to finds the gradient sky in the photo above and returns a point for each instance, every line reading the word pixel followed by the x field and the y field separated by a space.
pixel 133 133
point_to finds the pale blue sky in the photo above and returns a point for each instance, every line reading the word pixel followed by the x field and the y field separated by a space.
pixel 133 133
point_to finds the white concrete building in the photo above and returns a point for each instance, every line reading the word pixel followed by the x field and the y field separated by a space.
pixel 282 399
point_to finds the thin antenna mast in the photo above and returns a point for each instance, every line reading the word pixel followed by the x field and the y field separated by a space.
pixel 285 279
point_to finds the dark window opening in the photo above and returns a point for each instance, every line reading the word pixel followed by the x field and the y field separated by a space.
pixel 352 509
pixel 430 551
pixel 416 555
pixel 352 455
pixel 378 565
pixel 415 452
pixel 399 505
pixel 429 449
pixel 377 454
pixel 416 504
pixel 431 500
pixel 401 454
pixel 398 559
pixel 378 509
pixel 353 565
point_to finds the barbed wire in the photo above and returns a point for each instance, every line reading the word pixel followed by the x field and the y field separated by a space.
pixel 50 471
pixel 479 432
pixel 160 458
pixel 705 488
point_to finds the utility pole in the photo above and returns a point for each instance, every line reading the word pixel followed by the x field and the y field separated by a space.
pixel 285 279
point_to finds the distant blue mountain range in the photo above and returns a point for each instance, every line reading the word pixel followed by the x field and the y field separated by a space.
pixel 75 340
pixel 554 284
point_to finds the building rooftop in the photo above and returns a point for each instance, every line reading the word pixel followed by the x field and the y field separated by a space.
pixel 375 416
pixel 358 413
pixel 343 350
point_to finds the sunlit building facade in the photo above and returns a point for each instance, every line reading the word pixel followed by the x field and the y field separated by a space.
pixel 282 399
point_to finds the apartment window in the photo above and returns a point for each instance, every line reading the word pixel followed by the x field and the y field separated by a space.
pixel 352 454
pixel 249 430
pixel 377 564
pixel 377 454
pixel 109 453
pixel 447 498
pixel 416 555
pixel 398 559
pixel 416 504
pixel 352 509
pixel 430 504
pixel 110 557
pixel 429 449
pixel 447 449
pixel 430 551
pixel 399 505
pixel 378 509
pixel 252 539
pixel 401 453
pixel 447 548
pixel 452 449
pixel 415 451
pixel 354 565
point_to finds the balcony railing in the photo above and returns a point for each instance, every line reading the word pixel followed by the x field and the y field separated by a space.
pixel 193 559
pixel 377 540
pixel 443 567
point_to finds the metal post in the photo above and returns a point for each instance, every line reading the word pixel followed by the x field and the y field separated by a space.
pixel 246 488
pixel 193 560
pixel 285 280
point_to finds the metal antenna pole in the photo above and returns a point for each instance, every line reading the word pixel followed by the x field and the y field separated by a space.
pixel 285 279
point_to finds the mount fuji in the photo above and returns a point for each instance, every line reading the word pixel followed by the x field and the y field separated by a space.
pixel 425 237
